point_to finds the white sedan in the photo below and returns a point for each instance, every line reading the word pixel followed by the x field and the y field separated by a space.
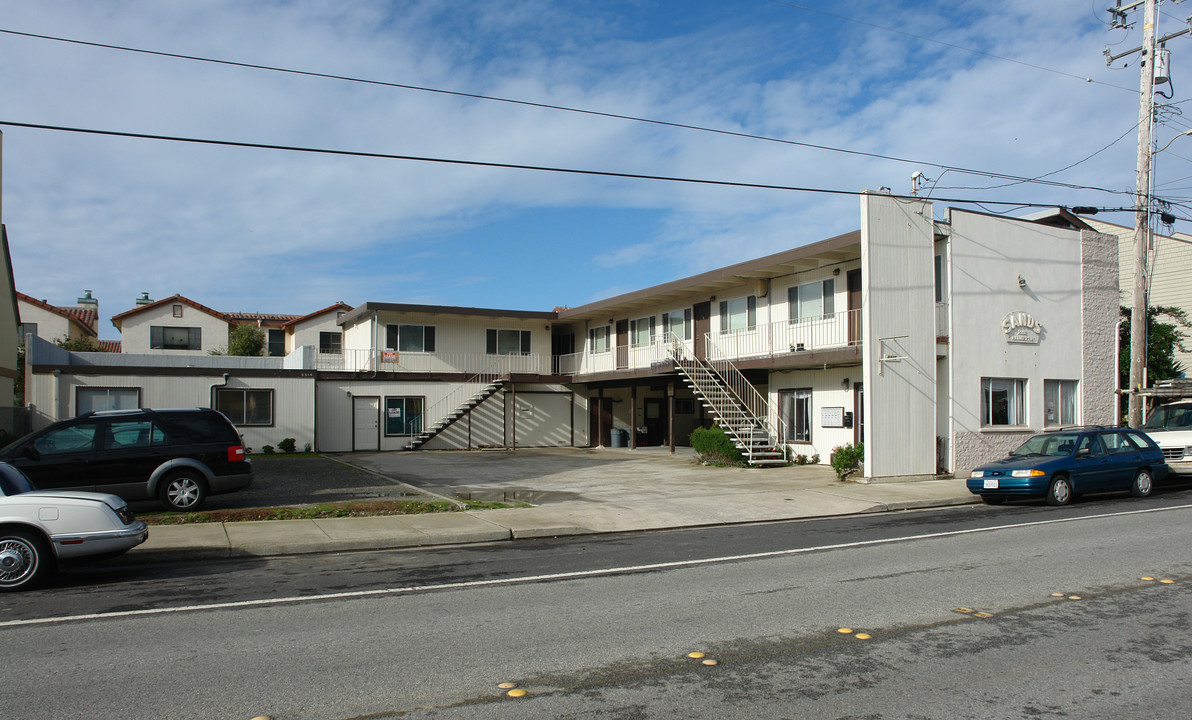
pixel 40 527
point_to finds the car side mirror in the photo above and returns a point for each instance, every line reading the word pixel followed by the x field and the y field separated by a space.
pixel 30 452
pixel 1084 452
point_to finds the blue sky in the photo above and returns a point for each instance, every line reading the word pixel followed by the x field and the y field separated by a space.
pixel 271 231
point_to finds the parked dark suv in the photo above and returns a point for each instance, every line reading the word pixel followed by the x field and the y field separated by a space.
pixel 176 456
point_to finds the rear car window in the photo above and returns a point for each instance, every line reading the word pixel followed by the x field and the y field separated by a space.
pixel 134 434
pixel 200 427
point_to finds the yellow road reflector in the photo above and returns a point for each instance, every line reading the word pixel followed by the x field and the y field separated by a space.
pixel 845 631
pixel 964 610
pixel 1061 594
pixel 1074 597
pixel 710 661
pixel 1165 581
pixel 1147 577
pixel 516 693
pixel 983 615
pixel 507 685
pixel 862 636
pixel 697 655
pixel 262 717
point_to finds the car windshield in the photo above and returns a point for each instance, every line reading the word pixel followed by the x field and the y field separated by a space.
pixel 1170 416
pixel 13 481
pixel 1053 444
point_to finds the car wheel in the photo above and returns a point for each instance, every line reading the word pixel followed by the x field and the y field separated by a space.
pixel 1142 485
pixel 24 560
pixel 185 490
pixel 1060 491
pixel 993 499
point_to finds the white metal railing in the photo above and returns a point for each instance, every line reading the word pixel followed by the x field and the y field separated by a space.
pixel 383 361
pixel 756 403
pixel 437 414
pixel 839 329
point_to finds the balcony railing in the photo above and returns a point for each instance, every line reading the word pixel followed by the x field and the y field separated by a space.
pixel 841 329
pixel 471 363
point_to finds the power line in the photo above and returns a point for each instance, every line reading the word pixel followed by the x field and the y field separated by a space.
pixel 507 166
pixel 547 106
pixel 950 45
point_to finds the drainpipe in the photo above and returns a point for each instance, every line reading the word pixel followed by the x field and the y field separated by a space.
pixel 1117 373
pixel 215 387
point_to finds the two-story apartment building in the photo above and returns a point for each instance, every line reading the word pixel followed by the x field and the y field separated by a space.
pixel 938 344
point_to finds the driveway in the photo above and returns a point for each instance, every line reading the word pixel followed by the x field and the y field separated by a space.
pixel 603 475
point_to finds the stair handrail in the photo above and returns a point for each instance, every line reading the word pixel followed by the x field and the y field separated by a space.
pixel 685 360
pixel 735 381
pixel 467 389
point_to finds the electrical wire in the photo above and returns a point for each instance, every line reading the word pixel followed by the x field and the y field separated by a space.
pixel 950 45
pixel 546 106
pixel 508 166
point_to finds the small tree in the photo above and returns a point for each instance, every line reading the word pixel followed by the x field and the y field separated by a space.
pixel 78 344
pixel 246 341
pixel 1162 341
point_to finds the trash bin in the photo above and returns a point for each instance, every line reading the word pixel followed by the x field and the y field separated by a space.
pixel 620 438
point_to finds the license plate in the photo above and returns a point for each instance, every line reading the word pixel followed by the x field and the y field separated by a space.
pixel 991 484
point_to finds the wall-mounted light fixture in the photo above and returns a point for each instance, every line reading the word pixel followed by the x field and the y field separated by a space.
pixel 348 393
pixel 835 271
pixel 844 384
pixel 1021 281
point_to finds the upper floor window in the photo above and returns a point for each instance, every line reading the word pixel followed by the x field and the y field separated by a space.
pixel 331 343
pixel 277 342
pixel 678 323
pixel 507 342
pixel 175 338
pixel 641 331
pixel 598 339
pixel 177 311
pixel 738 314
pixel 1003 402
pixel 410 338
pixel 811 301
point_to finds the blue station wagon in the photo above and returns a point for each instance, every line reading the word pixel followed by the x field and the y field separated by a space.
pixel 1061 464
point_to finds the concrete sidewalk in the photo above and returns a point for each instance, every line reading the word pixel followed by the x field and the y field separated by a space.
pixel 593 491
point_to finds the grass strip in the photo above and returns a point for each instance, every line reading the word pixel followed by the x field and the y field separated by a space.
pixel 347 509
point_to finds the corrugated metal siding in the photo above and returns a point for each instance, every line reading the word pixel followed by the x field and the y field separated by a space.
pixel 898 276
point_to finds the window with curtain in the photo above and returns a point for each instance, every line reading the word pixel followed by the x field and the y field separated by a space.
pixel 93 399
pixel 796 414
pixel 1060 402
pixel 507 342
pixel 738 314
pixel 410 338
pixel 1003 402
pixel 811 301
pixel 678 323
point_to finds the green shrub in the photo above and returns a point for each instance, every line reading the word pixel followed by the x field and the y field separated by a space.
pixel 267 449
pixel 847 458
pixel 714 446
pixel 288 445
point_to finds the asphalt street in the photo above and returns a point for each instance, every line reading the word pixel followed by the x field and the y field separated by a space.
pixel 601 626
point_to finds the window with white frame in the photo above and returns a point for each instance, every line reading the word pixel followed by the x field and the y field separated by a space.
pixel 738 314
pixel 598 339
pixel 507 342
pixel 163 337
pixel 795 407
pixel 410 338
pixel 92 399
pixel 641 331
pixel 331 343
pixel 678 323
pixel 1003 402
pixel 811 301
pixel 244 406
pixel 1061 404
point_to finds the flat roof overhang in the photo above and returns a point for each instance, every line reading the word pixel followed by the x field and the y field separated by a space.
pixel 403 308
pixel 841 248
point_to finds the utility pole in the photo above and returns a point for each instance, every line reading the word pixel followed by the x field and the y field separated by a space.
pixel 1142 215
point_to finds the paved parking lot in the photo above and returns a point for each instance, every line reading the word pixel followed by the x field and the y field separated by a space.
pixel 536 476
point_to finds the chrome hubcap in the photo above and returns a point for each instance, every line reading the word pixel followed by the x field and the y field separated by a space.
pixel 183 493
pixel 16 560
pixel 1144 482
pixel 1061 491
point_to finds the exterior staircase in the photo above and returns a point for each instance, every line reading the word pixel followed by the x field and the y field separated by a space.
pixel 735 403
pixel 485 391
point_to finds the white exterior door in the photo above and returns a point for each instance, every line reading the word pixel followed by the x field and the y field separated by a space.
pixel 366 423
